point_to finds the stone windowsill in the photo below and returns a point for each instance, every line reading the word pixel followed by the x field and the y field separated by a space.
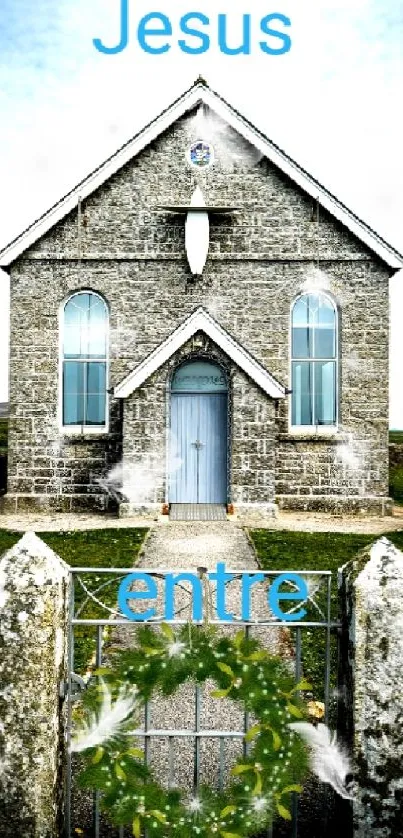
pixel 75 439
pixel 333 437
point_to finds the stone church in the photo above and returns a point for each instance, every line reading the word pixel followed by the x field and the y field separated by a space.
pixel 199 322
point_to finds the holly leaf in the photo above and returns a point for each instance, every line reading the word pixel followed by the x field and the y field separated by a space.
pixel 219 693
pixel 136 827
pixel 276 738
pixel 257 656
pixel 227 669
pixel 295 711
pixel 238 639
pixel 288 789
pixel 283 812
pixel 258 785
pixel 119 772
pixel 150 650
pixel 135 752
pixel 302 685
pixel 97 756
pixel 230 835
pixel 240 769
pixel 229 810
pixel 252 733
pixel 168 631
pixel 159 815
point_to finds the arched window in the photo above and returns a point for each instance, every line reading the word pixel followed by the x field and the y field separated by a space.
pixel 84 377
pixel 314 361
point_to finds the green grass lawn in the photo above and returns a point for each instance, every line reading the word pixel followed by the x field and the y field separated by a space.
pixel 89 548
pixel 396 470
pixel 396 484
pixel 3 435
pixel 284 550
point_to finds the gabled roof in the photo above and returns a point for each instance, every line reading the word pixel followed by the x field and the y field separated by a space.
pixel 201 93
pixel 200 321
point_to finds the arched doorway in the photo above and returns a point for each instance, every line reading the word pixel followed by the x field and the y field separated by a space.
pixel 199 405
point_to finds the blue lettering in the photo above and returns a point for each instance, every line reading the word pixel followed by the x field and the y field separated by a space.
pixel 274 596
pixel 187 30
pixel 124 32
pixel 267 30
pixel 143 32
pixel 124 595
pixel 245 47
pixel 170 582
pixel 221 577
pixel 247 581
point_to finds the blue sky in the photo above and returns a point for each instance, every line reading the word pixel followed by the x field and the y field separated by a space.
pixel 333 102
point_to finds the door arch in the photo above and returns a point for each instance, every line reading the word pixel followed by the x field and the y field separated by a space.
pixel 199 435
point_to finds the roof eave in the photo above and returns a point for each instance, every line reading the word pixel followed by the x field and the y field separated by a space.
pixel 200 92
pixel 200 320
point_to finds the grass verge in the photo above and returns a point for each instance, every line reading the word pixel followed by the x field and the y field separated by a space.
pixel 285 550
pixel 396 483
pixel 89 548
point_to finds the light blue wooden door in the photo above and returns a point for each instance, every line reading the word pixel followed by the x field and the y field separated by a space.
pixel 199 432
pixel 212 463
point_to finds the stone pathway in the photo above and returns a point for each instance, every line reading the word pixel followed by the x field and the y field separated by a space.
pixel 188 546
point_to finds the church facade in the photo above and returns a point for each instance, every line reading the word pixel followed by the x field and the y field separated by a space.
pixel 199 322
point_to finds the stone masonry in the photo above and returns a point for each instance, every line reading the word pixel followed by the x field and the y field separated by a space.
pixel 371 702
pixel 34 598
pixel 123 247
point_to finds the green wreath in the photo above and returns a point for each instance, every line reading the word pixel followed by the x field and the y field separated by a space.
pixel 264 781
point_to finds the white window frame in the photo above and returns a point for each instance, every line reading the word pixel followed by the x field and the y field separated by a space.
pixel 315 430
pixel 82 430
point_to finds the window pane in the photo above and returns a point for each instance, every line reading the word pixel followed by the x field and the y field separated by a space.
pixel 97 328
pixel 300 312
pixel 302 342
pixel 76 325
pixel 325 343
pixel 302 393
pixel 85 327
pixel 95 410
pixel 96 393
pixel 73 393
pixel 76 309
pixel 326 314
pixel 325 393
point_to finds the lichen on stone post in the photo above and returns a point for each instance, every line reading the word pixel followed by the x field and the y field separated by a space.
pixel 34 596
pixel 371 685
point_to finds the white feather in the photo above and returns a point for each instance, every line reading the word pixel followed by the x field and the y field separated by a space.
pixel 106 723
pixel 328 761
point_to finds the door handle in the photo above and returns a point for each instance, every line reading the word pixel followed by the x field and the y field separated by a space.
pixel 198 444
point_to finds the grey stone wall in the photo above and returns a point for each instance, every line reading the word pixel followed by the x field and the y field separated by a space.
pixel 260 259
pixel 34 598
pixel 371 713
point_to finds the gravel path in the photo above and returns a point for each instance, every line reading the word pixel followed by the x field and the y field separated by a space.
pixel 302 521
pixel 188 546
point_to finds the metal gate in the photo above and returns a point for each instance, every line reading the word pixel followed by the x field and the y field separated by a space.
pixel 89 585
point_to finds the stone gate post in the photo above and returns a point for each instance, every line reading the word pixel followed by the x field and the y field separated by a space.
pixel 34 590
pixel 371 686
